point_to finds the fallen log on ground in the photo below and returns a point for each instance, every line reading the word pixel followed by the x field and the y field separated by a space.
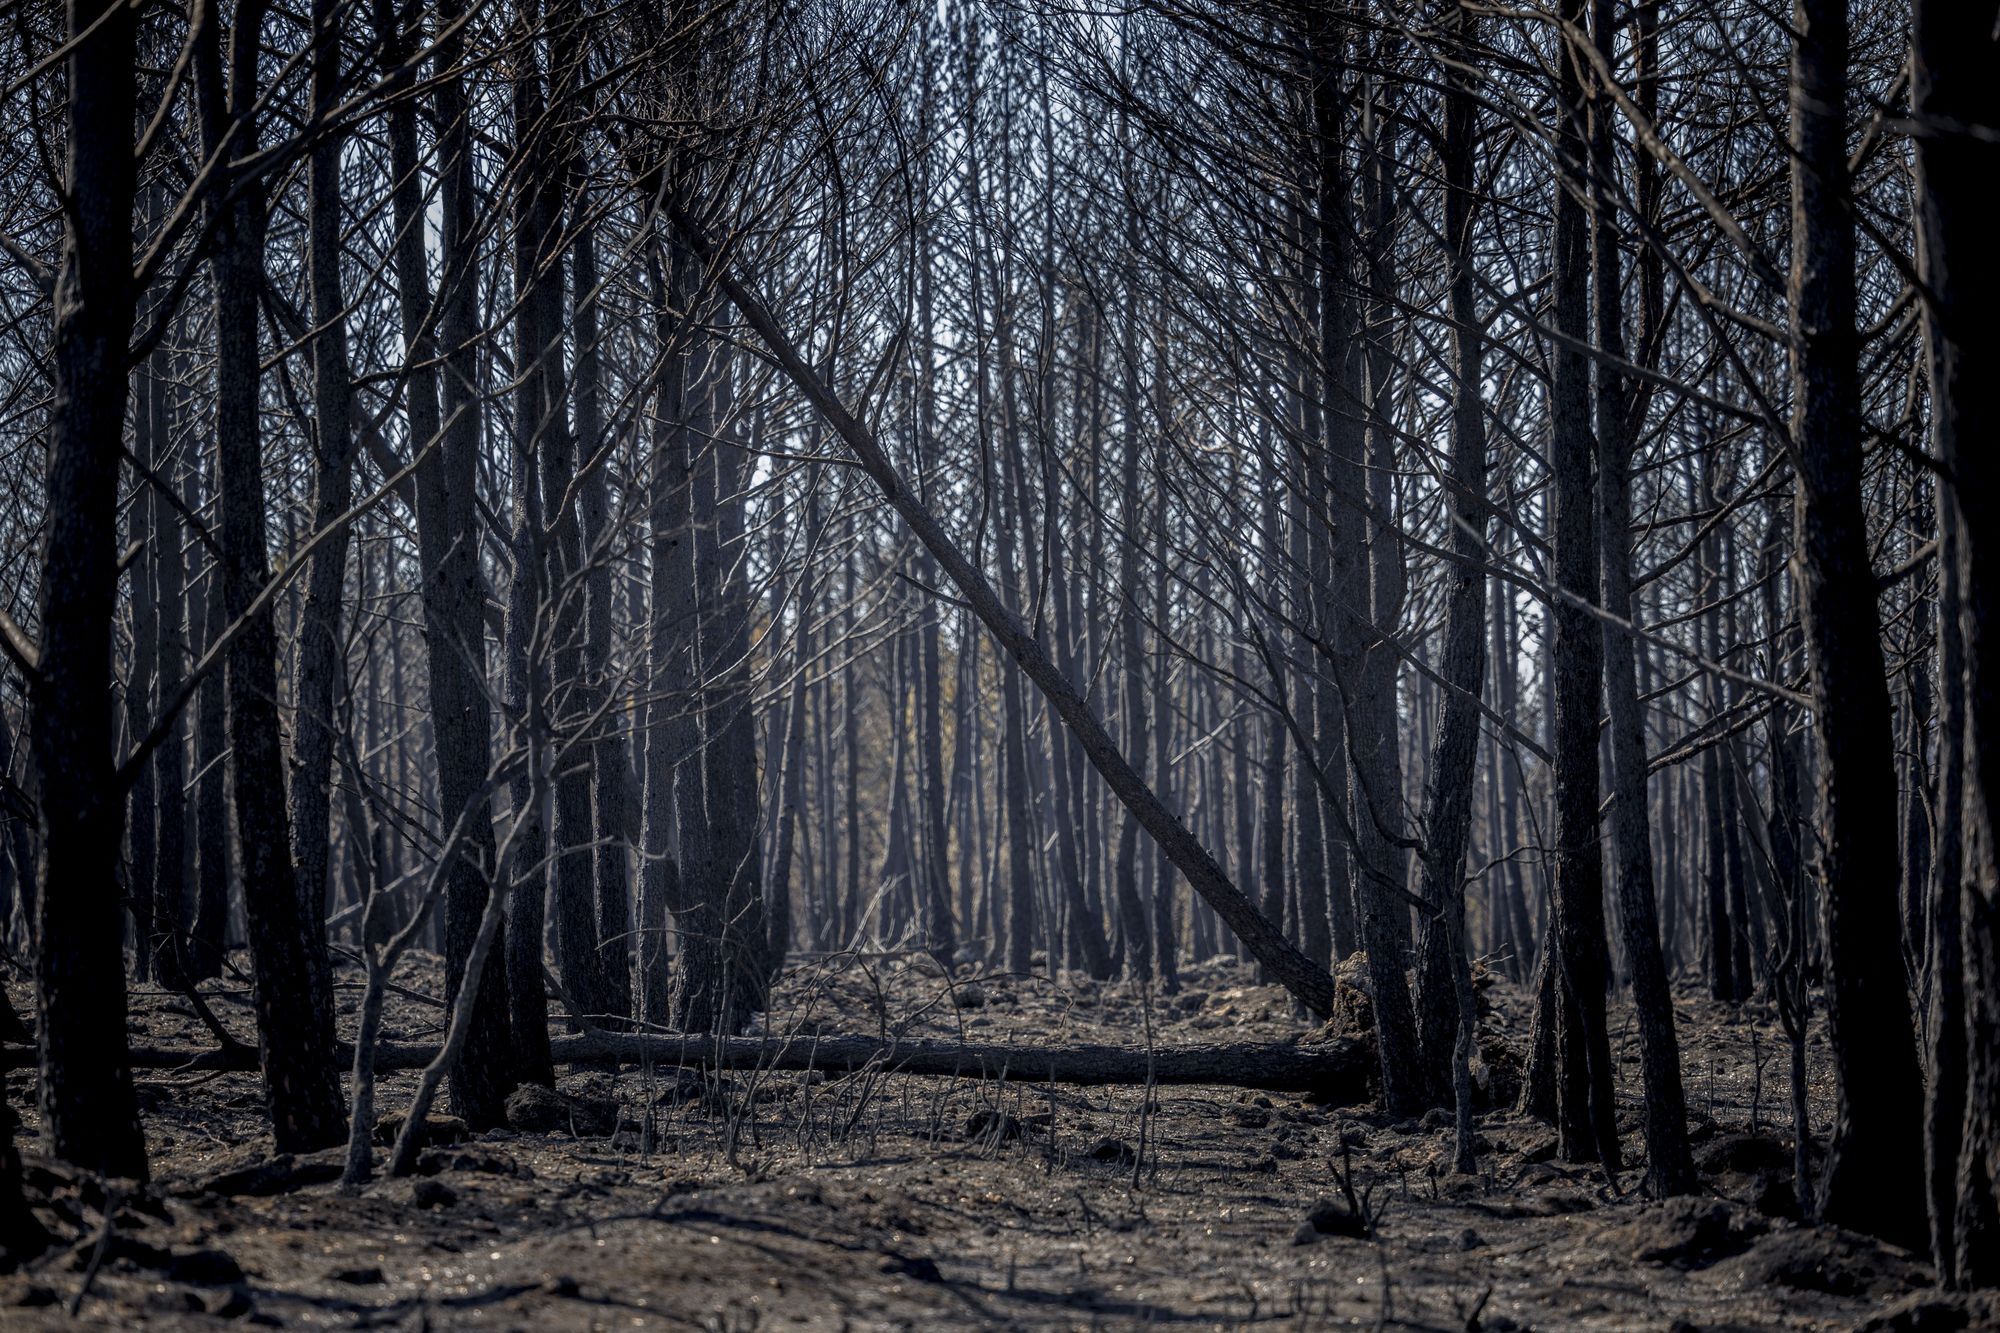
pixel 1333 1071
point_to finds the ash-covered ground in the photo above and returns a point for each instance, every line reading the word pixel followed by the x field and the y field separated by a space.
pixel 761 1199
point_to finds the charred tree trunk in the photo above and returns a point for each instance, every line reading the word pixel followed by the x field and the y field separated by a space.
pixel 321 662
pixel 1957 108
pixel 1444 982
pixel 142 800
pixel 1620 408
pixel 610 774
pixel 291 975
pixel 452 593
pixel 1348 599
pixel 730 756
pixel 549 142
pixel 89 1114
pixel 166 936
pixel 530 605
pixel 211 932
pixel 1587 1118
pixel 1133 919
pixel 1874 1171
pixel 667 632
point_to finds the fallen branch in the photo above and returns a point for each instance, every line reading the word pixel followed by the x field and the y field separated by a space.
pixel 1337 1070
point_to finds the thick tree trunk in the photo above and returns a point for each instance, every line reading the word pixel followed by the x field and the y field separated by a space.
pixel 1874 1171
pixel 730 755
pixel 89 1115
pixel 1956 102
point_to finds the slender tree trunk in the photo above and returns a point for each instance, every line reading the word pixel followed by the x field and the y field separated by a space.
pixel 1387 579
pixel 610 774
pixel 666 647
pixel 321 664
pixel 530 609
pixel 142 801
pixel 792 783
pixel 1132 916
pixel 1348 599
pixel 452 592
pixel 1587 1120
pixel 1271 807
pixel 291 975
pixel 1443 969
pixel 940 932
pixel 1669 1167
pixel 549 145
pixel 213 869
pixel 166 937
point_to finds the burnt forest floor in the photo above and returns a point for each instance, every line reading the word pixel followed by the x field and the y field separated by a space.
pixel 773 1200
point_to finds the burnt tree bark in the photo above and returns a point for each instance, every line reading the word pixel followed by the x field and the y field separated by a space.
pixel 1445 1007
pixel 453 592
pixel 1956 104
pixel 90 1116
pixel 529 601
pixel 291 975
pixel 1348 627
pixel 1874 1180
pixel 1587 1114
pixel 321 662
pixel 1620 408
